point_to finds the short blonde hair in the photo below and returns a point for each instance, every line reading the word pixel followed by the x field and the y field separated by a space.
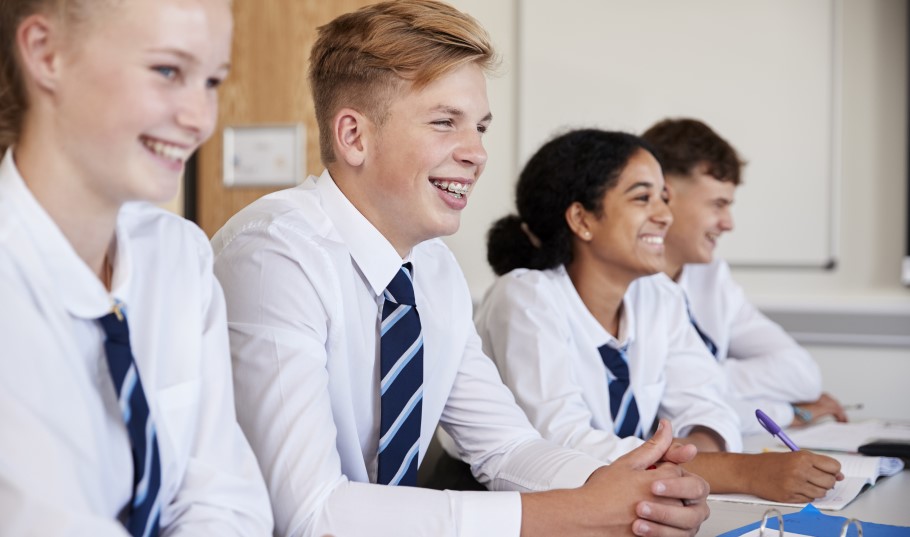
pixel 361 59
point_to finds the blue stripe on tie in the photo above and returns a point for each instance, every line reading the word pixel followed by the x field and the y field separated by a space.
pixel 154 515
pixel 129 384
pixel 405 413
pixel 400 365
pixel 393 318
pixel 142 487
pixel 406 465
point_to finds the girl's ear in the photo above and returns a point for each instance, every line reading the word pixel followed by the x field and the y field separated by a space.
pixel 578 218
pixel 38 42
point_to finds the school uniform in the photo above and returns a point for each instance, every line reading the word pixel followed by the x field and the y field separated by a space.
pixel 546 343
pixel 766 368
pixel 65 460
pixel 304 275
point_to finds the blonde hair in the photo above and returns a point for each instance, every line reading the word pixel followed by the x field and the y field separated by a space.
pixel 361 59
pixel 13 98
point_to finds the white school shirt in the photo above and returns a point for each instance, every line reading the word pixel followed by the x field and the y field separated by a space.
pixel 303 273
pixel 767 369
pixel 65 462
pixel 545 343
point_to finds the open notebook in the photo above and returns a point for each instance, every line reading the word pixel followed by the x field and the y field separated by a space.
pixel 858 471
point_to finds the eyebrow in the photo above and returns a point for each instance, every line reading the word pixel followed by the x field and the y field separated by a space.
pixel 185 56
pixel 458 112
pixel 640 184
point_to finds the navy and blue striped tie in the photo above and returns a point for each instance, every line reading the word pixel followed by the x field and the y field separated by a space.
pixel 623 407
pixel 401 384
pixel 712 348
pixel 143 513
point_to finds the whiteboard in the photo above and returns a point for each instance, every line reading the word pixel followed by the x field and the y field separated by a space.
pixel 765 75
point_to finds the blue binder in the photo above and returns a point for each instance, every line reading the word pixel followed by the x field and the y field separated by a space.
pixel 810 521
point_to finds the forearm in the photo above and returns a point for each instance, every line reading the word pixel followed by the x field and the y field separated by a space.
pixel 726 473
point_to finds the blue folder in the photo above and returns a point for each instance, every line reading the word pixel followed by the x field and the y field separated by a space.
pixel 810 521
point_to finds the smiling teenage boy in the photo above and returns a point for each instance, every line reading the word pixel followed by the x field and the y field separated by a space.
pixel 766 367
pixel 350 321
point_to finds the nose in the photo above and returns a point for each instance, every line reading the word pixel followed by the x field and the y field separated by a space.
pixel 662 214
pixel 726 220
pixel 198 111
pixel 471 152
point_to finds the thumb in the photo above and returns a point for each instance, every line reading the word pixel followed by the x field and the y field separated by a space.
pixel 652 451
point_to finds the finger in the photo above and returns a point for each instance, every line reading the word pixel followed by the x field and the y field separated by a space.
pixel 683 517
pixel 688 487
pixel 652 451
pixel 827 465
pixel 680 453
pixel 821 479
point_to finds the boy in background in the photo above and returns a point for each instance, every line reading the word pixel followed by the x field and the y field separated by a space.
pixel 766 367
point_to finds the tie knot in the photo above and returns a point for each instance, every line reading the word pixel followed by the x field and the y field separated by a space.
pixel 115 327
pixel 614 359
pixel 401 289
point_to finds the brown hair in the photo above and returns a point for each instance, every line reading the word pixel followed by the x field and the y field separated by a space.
pixel 360 59
pixel 685 144
pixel 13 99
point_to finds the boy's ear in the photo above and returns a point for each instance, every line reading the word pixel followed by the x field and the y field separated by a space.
pixel 38 40
pixel 351 136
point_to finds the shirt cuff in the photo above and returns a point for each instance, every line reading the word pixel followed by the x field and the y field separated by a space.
pixel 489 513
pixel 575 472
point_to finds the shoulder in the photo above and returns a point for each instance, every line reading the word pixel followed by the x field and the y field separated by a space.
pixel 527 287
pixel 153 226
pixel 706 275
pixel 655 287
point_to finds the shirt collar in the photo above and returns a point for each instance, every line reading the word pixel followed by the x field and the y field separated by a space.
pixel 78 288
pixel 374 255
pixel 590 324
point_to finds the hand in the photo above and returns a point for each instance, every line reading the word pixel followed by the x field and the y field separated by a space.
pixel 796 477
pixel 824 407
pixel 665 501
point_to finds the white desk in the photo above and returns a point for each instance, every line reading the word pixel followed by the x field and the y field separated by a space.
pixel 887 502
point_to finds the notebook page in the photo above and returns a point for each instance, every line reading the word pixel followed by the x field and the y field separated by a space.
pixel 847 436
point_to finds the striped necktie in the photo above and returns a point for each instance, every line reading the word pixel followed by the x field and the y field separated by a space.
pixel 623 407
pixel 144 509
pixel 712 348
pixel 401 385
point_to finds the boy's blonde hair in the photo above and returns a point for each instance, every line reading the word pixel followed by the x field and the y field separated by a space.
pixel 363 59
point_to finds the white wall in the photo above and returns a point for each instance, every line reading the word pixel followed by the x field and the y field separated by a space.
pixel 872 227
pixel 871 232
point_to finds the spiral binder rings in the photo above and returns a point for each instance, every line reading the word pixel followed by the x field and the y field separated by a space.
pixel 764 531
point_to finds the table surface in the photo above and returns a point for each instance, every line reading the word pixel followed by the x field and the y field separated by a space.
pixel 887 502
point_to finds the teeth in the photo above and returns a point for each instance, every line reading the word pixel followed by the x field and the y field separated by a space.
pixel 168 151
pixel 454 187
pixel 651 239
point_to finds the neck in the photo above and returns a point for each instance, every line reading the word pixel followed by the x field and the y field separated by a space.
pixel 672 266
pixel 86 219
pixel 360 200
pixel 601 290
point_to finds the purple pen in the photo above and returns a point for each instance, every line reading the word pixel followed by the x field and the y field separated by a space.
pixel 774 429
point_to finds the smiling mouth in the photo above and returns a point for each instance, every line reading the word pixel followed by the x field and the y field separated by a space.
pixel 653 239
pixel 453 188
pixel 165 150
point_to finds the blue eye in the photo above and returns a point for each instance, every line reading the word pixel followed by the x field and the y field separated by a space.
pixel 166 71
pixel 213 83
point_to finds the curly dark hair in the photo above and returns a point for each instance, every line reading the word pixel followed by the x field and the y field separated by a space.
pixel 578 166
